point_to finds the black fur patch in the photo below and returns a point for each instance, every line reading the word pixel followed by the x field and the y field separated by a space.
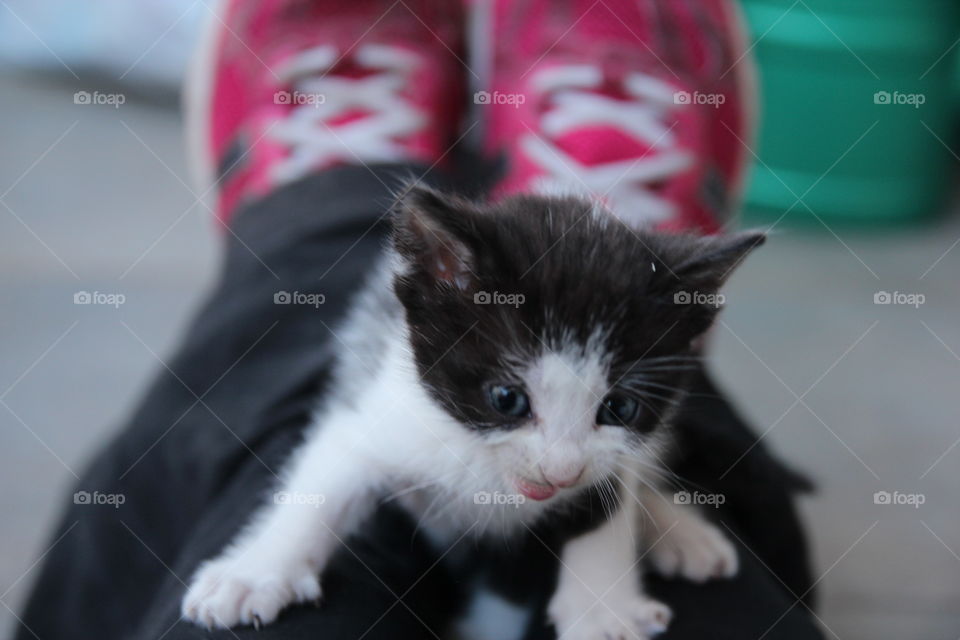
pixel 574 271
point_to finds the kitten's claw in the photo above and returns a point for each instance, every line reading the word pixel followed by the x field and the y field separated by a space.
pixel 225 592
pixel 694 549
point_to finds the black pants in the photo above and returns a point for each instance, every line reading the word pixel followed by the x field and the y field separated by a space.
pixel 201 451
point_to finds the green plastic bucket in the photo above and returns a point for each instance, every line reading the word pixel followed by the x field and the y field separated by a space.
pixel 858 109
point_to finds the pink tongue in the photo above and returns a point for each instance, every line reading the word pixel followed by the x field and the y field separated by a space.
pixel 535 491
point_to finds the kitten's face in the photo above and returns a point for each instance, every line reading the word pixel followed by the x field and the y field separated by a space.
pixel 553 331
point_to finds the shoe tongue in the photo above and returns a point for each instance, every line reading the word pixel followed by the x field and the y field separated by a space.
pixel 602 144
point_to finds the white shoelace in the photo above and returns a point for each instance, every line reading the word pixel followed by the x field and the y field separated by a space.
pixel 624 184
pixel 320 98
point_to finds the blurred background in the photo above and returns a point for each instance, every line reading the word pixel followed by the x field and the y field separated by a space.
pixel 841 343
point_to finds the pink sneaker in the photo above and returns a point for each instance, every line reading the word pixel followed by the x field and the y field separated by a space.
pixel 641 103
pixel 283 88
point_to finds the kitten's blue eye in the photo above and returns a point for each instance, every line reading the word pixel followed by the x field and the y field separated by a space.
pixel 617 410
pixel 509 401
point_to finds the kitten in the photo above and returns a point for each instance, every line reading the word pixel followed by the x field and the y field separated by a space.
pixel 516 364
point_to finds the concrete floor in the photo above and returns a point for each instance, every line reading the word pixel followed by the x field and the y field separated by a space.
pixel 861 396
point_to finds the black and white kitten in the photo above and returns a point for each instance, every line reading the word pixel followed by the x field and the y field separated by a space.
pixel 505 365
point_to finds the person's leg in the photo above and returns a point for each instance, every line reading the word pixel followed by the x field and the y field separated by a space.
pixel 305 181
pixel 205 445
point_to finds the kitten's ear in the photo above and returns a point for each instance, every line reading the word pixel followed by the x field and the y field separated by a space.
pixel 715 258
pixel 434 231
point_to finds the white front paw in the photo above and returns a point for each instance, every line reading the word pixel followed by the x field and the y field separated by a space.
pixel 618 616
pixel 694 549
pixel 230 591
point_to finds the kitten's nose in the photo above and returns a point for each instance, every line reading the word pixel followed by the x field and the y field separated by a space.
pixel 563 477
